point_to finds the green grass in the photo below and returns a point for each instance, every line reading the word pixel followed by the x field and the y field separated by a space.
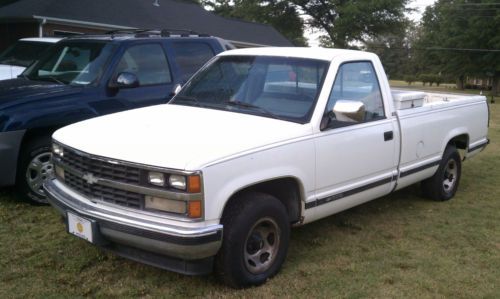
pixel 398 246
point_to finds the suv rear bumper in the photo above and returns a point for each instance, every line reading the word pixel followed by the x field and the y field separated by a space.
pixel 183 250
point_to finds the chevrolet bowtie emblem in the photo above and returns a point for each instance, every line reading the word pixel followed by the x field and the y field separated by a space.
pixel 90 178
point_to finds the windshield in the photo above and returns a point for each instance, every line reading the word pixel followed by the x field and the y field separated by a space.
pixel 278 87
pixel 23 53
pixel 72 62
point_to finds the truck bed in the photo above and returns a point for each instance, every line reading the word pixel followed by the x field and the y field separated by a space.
pixel 435 99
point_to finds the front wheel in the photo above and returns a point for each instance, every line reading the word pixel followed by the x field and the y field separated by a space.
pixel 255 243
pixel 444 183
pixel 33 169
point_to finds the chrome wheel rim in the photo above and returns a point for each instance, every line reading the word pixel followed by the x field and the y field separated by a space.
pixel 261 245
pixel 39 169
pixel 450 175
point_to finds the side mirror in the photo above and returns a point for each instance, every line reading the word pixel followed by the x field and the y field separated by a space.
pixel 125 80
pixel 349 111
pixel 177 89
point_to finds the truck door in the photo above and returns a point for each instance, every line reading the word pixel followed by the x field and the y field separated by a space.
pixel 148 62
pixel 355 153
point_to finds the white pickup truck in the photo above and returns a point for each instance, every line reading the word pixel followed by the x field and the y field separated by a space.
pixel 259 140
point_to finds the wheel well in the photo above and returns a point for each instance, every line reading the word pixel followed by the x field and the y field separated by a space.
pixel 286 190
pixel 34 134
pixel 460 141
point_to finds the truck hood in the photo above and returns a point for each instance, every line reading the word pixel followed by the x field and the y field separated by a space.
pixel 10 71
pixel 175 136
pixel 20 91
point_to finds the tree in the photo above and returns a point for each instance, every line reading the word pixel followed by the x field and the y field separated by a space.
pixel 282 15
pixel 349 23
pixel 460 38
pixel 395 50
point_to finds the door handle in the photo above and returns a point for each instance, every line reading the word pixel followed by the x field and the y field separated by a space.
pixel 389 135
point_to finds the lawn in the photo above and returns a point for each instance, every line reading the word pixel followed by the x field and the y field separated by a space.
pixel 397 246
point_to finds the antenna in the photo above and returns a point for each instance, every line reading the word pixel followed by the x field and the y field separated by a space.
pixel 156 3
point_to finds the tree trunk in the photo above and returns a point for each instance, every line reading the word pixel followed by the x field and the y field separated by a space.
pixel 460 82
pixel 495 88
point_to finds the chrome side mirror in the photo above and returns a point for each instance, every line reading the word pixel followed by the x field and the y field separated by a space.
pixel 349 111
pixel 177 89
pixel 125 80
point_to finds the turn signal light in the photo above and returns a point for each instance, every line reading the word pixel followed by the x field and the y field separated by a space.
pixel 194 184
pixel 194 209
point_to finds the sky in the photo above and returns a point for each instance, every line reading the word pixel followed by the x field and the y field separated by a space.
pixel 418 5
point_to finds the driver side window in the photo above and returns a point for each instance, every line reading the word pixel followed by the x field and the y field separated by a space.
pixel 356 85
pixel 148 62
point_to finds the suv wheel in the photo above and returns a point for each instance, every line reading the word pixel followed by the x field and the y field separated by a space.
pixel 34 168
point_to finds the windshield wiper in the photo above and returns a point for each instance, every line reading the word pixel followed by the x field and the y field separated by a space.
pixel 253 107
pixel 188 98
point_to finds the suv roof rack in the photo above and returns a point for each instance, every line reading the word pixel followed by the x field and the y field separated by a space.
pixel 155 32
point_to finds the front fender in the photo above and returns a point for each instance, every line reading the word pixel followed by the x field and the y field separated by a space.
pixel 222 181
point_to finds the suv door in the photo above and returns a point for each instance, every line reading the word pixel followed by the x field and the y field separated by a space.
pixel 355 158
pixel 149 63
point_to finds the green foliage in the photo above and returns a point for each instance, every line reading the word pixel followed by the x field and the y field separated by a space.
pixel 282 15
pixel 410 79
pixel 345 23
pixel 349 22
pixel 431 79
pixel 455 37
pixel 395 50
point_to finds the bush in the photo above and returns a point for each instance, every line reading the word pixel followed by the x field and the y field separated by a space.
pixel 410 79
pixel 431 79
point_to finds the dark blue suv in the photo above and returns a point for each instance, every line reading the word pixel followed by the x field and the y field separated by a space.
pixel 84 77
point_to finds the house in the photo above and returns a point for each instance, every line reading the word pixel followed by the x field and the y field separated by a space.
pixel 27 18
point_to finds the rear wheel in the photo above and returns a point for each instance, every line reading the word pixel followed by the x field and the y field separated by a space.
pixel 444 183
pixel 255 243
pixel 33 169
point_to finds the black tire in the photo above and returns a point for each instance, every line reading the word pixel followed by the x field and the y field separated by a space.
pixel 34 153
pixel 443 184
pixel 245 221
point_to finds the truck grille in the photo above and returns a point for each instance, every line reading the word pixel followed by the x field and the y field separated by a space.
pixel 105 170
pixel 102 169
pixel 104 193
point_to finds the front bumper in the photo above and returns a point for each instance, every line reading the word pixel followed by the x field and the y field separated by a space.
pixel 184 250
pixel 10 142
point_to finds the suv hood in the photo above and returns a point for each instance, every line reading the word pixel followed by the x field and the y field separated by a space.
pixel 175 136
pixel 10 71
pixel 20 91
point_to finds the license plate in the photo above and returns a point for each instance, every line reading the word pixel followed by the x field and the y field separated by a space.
pixel 80 227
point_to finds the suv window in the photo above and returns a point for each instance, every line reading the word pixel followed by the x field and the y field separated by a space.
pixel 148 62
pixel 356 81
pixel 72 62
pixel 191 56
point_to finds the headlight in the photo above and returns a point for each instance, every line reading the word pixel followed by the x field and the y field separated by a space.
pixel 177 181
pixel 156 178
pixel 57 150
pixel 190 184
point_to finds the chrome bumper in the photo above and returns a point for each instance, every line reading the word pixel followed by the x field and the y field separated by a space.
pixel 174 248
